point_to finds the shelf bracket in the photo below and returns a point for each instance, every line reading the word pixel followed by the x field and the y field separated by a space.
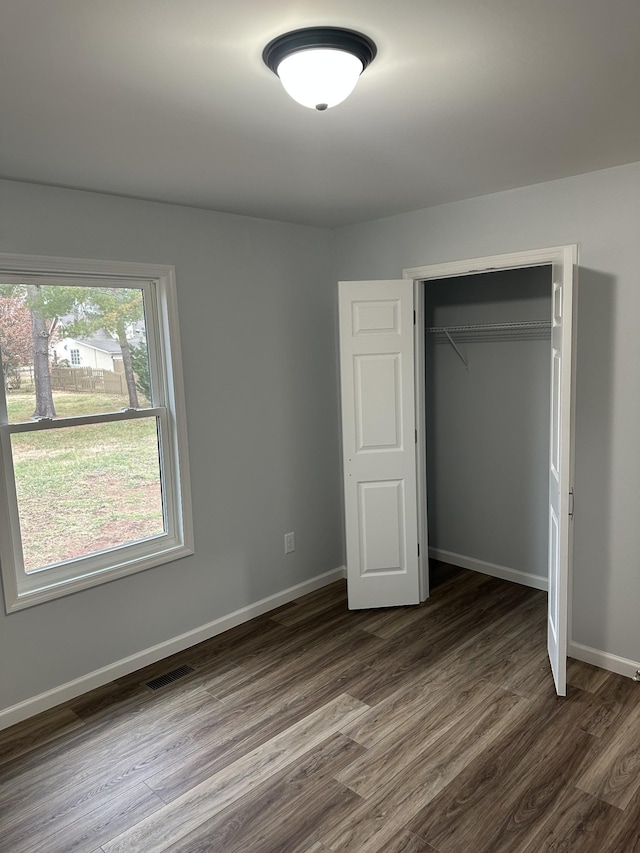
pixel 453 344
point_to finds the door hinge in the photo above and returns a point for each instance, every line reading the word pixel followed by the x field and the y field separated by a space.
pixel 418 549
pixel 414 318
pixel 416 431
pixel 571 502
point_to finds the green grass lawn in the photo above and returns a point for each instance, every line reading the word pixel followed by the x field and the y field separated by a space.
pixel 21 404
pixel 85 488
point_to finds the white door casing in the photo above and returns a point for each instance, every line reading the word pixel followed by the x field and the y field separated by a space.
pixel 378 429
pixel 563 260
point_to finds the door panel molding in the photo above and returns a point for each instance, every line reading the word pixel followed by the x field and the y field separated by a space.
pixel 378 431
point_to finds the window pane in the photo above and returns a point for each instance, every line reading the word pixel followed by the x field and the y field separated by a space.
pixel 84 489
pixel 73 350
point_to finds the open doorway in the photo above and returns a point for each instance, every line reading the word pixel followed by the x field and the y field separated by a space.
pixel 382 365
pixel 487 402
pixel 562 261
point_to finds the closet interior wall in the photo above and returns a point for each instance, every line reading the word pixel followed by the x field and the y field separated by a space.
pixel 488 423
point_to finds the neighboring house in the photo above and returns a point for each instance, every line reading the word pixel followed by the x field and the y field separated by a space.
pixel 100 353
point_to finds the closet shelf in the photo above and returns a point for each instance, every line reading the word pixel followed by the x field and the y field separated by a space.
pixel 529 326
pixel 529 330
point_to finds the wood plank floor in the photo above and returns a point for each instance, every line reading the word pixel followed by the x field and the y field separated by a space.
pixel 431 729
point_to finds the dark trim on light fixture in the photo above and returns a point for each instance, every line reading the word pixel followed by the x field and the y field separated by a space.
pixel 333 38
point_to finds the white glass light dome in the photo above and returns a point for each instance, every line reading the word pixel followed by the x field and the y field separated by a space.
pixel 319 66
pixel 320 78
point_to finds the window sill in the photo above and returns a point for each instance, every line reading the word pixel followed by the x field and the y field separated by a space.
pixel 22 598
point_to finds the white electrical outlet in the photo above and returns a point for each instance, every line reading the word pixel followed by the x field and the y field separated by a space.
pixel 289 542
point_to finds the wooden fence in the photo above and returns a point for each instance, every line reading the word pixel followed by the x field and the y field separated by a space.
pixel 88 379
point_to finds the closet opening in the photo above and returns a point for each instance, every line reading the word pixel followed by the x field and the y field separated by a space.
pixel 486 408
pixel 384 384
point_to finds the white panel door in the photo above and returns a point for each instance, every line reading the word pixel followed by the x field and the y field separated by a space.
pixel 378 429
pixel 560 467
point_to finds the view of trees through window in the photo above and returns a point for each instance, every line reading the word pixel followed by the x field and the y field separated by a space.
pixel 79 352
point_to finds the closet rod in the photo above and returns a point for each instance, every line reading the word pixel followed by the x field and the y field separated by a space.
pixel 493 327
pixel 478 331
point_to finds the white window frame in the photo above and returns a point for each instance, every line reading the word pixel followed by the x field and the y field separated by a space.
pixel 22 589
pixel 74 357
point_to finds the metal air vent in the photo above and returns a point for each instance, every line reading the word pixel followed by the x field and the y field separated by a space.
pixel 169 677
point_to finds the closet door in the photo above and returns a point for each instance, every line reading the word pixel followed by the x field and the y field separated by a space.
pixel 560 466
pixel 378 429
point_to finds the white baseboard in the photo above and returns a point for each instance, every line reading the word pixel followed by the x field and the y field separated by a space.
pixel 623 666
pixel 587 654
pixel 504 572
pixel 118 669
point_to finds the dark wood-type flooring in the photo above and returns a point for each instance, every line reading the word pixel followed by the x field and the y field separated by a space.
pixel 431 729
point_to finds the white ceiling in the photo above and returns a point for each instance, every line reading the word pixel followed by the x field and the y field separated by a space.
pixel 170 100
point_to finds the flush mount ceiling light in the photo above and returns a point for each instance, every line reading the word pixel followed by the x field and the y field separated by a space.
pixel 319 66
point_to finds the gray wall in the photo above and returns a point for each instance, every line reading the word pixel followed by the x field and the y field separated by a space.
pixel 601 212
pixel 257 315
pixel 488 426
pixel 258 321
